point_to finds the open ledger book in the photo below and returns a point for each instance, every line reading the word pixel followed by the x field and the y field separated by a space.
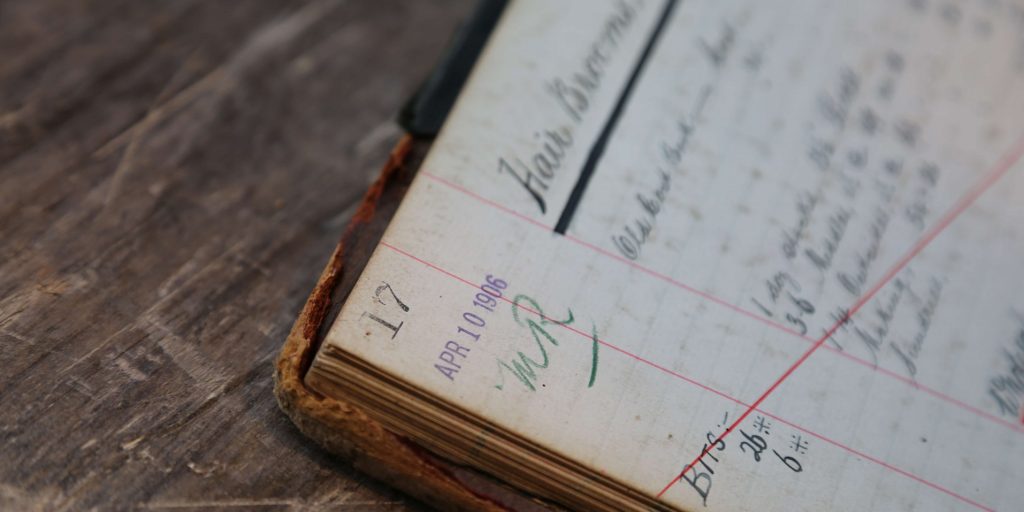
pixel 722 255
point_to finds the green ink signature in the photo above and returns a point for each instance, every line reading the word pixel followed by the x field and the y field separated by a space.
pixel 523 367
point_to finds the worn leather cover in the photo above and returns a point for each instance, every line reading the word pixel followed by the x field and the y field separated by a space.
pixel 346 430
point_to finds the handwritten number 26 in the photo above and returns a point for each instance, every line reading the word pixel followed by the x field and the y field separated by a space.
pixel 756 443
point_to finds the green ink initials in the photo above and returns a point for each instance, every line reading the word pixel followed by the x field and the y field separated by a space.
pixel 523 367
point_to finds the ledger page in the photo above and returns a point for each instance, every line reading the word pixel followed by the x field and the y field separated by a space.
pixel 734 254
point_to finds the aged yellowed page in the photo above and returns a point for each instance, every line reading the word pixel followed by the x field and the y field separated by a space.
pixel 735 255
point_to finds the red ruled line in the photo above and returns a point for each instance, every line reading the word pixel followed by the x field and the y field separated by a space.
pixel 737 309
pixel 1001 168
pixel 705 387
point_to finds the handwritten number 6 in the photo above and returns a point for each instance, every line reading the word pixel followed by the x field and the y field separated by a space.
pixel 790 462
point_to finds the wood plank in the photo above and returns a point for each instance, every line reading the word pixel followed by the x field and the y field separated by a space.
pixel 172 178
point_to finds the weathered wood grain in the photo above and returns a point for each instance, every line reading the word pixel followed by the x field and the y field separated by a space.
pixel 173 175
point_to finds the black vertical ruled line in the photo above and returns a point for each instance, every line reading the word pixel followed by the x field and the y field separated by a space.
pixel 597 150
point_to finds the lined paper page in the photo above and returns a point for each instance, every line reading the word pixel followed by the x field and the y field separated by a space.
pixel 776 246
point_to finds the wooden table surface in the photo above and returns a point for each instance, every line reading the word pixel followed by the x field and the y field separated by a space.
pixel 173 176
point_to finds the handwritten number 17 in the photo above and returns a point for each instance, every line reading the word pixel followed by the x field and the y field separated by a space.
pixel 377 297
